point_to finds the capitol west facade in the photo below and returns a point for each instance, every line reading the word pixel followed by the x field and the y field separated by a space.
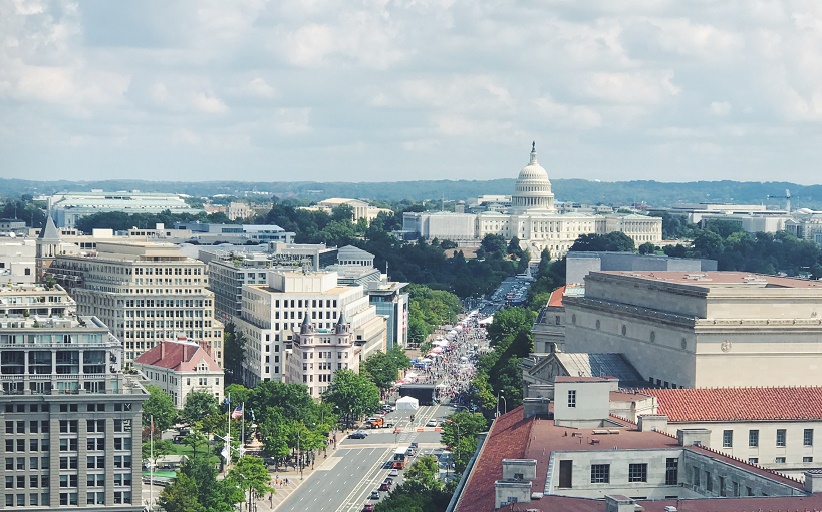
pixel 532 218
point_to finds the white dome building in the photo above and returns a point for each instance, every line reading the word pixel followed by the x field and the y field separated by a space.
pixel 533 189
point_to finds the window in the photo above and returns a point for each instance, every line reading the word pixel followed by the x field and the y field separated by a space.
pixel 807 459
pixel 572 398
pixel 722 491
pixel 736 489
pixel 709 483
pixel 781 436
pixel 671 476
pixel 753 438
pixel 600 473
pixel 749 491
pixel 753 460
pixel 807 437
pixel 697 473
pixel 727 438
pixel 637 472
pixel 780 460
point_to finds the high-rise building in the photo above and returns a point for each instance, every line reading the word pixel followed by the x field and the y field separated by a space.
pixel 72 419
pixel 146 292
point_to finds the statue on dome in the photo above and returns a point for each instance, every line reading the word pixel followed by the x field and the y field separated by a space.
pixel 533 145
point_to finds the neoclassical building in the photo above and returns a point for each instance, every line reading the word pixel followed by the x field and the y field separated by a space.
pixel 532 218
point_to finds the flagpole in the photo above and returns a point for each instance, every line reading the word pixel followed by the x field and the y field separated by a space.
pixel 242 447
pixel 228 437
pixel 151 468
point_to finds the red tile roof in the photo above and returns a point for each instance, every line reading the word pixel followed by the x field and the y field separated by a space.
pixel 555 300
pixel 738 404
pixel 178 356
pixel 507 439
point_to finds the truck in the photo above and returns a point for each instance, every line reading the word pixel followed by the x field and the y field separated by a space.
pixel 376 423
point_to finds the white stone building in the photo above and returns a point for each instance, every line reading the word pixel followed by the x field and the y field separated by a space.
pixel 181 367
pixel 318 353
pixel 708 329
pixel 145 292
pixel 272 315
pixel 532 218
pixel 360 209
pixel 17 260
pixel 68 207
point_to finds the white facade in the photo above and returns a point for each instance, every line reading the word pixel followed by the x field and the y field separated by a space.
pixel 17 260
pixel 146 292
pixel 533 219
pixel 272 315
pixel 182 367
pixel 68 207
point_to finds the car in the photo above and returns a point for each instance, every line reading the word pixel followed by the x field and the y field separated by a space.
pixel 431 423
pixel 384 486
pixel 357 435
pixel 388 480
pixel 375 495
pixel 393 472
pixel 368 507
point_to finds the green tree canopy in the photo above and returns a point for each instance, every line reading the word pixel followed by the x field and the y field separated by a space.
pixel 250 473
pixel 199 404
pixel 424 471
pixel 181 496
pixel 352 395
pixel 613 241
pixel 160 405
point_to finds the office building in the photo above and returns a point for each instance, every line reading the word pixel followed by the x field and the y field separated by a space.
pixel 72 419
pixel 17 259
pixel 67 207
pixel 146 292
pixel 707 329
pixel 272 314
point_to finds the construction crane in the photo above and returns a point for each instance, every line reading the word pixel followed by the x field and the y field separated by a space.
pixel 786 197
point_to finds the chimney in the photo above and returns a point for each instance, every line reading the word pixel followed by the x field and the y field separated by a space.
pixel 694 436
pixel 652 422
pixel 185 351
pixel 162 350
pixel 813 481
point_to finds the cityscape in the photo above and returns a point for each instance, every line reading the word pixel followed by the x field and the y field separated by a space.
pixel 410 257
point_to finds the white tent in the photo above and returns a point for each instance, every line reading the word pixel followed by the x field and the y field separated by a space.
pixel 408 403
pixel 486 321
pixel 441 343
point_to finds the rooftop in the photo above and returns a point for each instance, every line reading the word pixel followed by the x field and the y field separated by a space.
pixel 738 404
pixel 181 356
pixel 718 279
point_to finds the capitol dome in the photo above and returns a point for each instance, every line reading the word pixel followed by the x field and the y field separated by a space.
pixel 533 188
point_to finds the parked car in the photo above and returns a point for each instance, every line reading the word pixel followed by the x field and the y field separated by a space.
pixel 384 486
pixel 388 481
pixel 368 507
pixel 393 472
pixel 375 495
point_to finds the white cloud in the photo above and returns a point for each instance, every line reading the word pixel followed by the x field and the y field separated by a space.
pixel 617 89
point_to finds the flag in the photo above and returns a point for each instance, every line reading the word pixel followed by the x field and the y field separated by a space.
pixel 238 412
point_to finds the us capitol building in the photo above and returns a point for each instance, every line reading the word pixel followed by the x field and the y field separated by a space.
pixel 531 217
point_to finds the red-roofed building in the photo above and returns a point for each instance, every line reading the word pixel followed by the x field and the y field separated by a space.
pixel 538 458
pixel 776 428
pixel 180 367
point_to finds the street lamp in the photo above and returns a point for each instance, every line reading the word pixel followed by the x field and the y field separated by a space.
pixel 299 454
pixel 499 395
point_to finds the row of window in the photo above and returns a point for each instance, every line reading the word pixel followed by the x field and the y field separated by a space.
pixel 601 473
pixel 33 408
pixel 753 438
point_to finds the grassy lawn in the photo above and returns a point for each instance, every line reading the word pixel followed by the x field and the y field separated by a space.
pixel 202 451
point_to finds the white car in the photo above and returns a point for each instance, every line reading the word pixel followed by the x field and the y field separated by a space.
pixel 431 423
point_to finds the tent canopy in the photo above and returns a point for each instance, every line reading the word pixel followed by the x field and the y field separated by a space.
pixel 408 403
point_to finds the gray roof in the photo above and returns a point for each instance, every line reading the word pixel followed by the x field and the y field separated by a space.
pixel 599 365
pixel 49 232
pixel 350 252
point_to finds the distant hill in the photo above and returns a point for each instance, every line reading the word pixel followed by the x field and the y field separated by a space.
pixel 617 193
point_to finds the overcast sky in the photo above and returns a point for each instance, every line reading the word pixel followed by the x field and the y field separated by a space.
pixel 411 89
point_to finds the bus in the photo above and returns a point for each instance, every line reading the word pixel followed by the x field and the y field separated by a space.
pixel 399 458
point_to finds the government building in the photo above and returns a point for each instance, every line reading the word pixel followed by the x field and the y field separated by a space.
pixel 533 218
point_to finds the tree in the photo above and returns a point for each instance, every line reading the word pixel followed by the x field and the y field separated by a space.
pixel 214 495
pixel 195 439
pixel 613 241
pixel 181 496
pixel 160 405
pixel 494 246
pixel 251 475
pixel 239 394
pixel 646 248
pixel 199 404
pixel 380 369
pixel 352 395
pixel 462 424
pixel 161 447
pixel 508 323
pixel 424 471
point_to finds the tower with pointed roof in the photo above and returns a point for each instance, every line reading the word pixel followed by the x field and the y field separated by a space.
pixel 48 246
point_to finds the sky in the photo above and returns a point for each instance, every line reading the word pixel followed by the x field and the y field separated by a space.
pixel 378 90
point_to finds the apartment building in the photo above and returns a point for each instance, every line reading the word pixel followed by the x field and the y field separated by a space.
pixel 146 292
pixel 72 420
pixel 273 313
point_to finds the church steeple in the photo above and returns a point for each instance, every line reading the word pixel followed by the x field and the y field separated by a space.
pixel 48 245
